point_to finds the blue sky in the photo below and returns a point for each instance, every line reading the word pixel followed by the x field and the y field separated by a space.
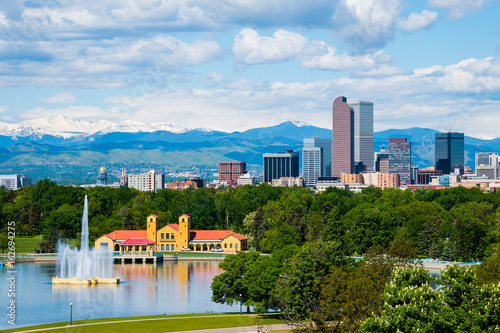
pixel 236 64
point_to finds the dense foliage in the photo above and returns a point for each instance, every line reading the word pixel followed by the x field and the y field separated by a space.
pixel 455 223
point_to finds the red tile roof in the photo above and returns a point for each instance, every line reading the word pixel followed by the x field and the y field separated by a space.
pixel 153 215
pixel 214 234
pixel 175 226
pixel 138 241
pixel 126 234
pixel 186 215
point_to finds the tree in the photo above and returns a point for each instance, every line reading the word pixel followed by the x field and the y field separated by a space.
pixel 447 254
pixel 4 241
pixel 489 270
pixel 256 225
pixel 231 286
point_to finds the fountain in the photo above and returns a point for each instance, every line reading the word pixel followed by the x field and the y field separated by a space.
pixel 84 266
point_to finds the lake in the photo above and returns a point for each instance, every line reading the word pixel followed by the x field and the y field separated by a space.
pixel 168 288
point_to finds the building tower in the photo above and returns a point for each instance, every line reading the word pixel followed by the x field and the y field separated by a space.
pixel 400 159
pixel 152 227
pixel 102 177
pixel 316 160
pixel 363 133
pixel 449 152
pixel 123 178
pixel 342 137
pixel 184 231
pixel 277 165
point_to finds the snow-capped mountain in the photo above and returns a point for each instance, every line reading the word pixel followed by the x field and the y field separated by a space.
pixel 68 127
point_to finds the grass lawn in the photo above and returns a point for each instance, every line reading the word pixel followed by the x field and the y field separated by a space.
pixel 153 324
pixel 27 244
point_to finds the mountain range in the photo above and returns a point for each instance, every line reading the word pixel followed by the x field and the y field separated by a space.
pixel 68 141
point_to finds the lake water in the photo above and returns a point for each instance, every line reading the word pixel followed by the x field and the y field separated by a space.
pixel 170 288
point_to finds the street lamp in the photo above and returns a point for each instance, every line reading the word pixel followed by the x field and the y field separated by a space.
pixel 240 305
pixel 71 314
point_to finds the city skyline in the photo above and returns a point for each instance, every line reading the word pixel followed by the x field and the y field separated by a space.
pixel 430 64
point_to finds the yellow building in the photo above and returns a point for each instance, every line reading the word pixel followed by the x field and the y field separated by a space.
pixel 175 237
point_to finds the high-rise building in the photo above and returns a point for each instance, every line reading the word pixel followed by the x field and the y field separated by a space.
pixel 488 164
pixel 312 163
pixel 277 165
pixel 316 159
pixel 342 137
pixel 231 171
pixel 414 174
pixel 152 181
pixel 400 159
pixel 363 133
pixel 102 177
pixel 449 152
pixel 380 156
pixel 13 182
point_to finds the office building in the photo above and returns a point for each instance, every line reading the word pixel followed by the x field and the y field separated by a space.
pixel 102 177
pixel 277 165
pixel 352 178
pixel 363 133
pixel 488 165
pixel 387 180
pixel 425 175
pixel 382 155
pixel 414 174
pixel 231 171
pixel 400 159
pixel 342 137
pixel 312 163
pixel 13 182
pixel 288 182
pixel 449 152
pixel 246 179
pixel 152 181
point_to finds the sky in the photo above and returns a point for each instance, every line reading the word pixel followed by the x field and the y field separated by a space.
pixel 231 65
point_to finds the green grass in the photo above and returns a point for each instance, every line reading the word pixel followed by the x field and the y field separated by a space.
pixel 27 244
pixel 153 324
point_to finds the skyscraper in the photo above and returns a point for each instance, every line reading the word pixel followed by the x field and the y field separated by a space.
pixel 400 159
pixel 279 165
pixel 316 159
pixel 342 137
pixel 449 152
pixel 363 133
pixel 488 164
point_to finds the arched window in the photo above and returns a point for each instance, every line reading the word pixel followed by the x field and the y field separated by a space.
pixel 172 247
pixel 162 247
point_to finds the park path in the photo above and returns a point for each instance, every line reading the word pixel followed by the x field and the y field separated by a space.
pixel 246 329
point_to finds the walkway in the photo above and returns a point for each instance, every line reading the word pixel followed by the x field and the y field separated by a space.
pixel 245 329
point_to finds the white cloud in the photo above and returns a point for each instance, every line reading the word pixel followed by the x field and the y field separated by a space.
pixel 4 108
pixel 415 21
pixel 77 111
pixel 457 8
pixel 61 98
pixel 356 63
pixel 213 79
pixel 250 48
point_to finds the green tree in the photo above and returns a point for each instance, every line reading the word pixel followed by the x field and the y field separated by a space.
pixel 447 254
pixel 489 270
pixel 4 241
pixel 232 285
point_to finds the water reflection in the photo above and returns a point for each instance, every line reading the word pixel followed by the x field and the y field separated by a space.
pixel 170 287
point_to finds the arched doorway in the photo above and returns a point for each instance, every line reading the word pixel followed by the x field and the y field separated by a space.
pixel 198 247
pixel 205 247
pixel 117 247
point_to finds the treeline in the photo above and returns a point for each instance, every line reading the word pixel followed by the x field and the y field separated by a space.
pixel 455 223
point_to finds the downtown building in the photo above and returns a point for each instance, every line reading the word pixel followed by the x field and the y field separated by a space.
pixel 352 137
pixel 277 165
pixel 363 133
pixel 231 171
pixel 449 152
pixel 150 182
pixel 13 182
pixel 488 165
pixel 342 137
pixel 400 159
pixel 316 160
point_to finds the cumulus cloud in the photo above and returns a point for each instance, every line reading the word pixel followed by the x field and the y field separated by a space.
pixel 458 8
pixel 213 79
pixel 61 98
pixel 415 21
pixel 251 48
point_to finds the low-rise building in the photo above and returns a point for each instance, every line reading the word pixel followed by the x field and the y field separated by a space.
pixel 195 183
pixel 13 182
pixel 288 182
pixel 246 179
pixel 174 237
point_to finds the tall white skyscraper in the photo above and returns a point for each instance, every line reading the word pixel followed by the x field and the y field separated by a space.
pixel 363 133
pixel 316 160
